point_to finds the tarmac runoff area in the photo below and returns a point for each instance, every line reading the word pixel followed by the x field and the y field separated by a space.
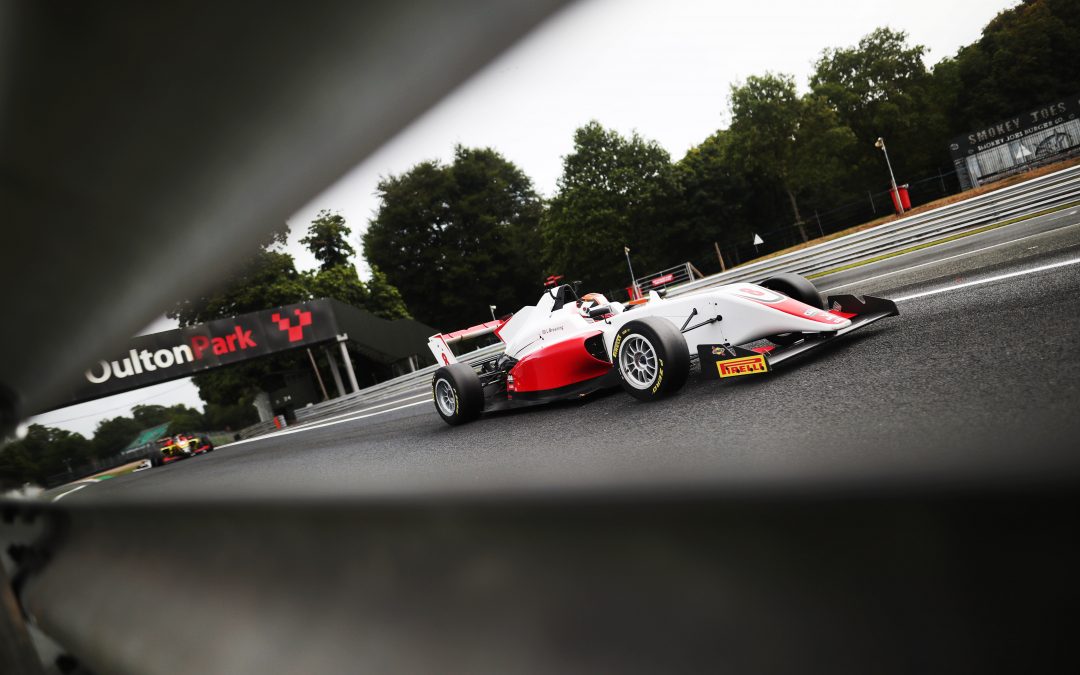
pixel 977 381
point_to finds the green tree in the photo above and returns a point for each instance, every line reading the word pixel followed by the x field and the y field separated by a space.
pixel 613 192
pixel 798 142
pixel 881 87
pixel 43 452
pixel 232 416
pixel 327 239
pixel 456 238
pixel 267 279
pixel 340 282
pixel 384 299
pixel 113 435
pixel 1026 56
pixel 717 196
pixel 17 466
pixel 337 277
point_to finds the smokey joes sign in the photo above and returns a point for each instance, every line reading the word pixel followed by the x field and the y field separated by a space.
pixel 1016 127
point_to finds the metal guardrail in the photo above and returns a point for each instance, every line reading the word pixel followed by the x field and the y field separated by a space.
pixel 414 381
pixel 1045 192
pixel 421 583
pixel 1037 194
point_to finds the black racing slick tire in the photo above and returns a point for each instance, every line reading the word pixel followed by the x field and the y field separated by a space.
pixel 459 398
pixel 795 287
pixel 652 358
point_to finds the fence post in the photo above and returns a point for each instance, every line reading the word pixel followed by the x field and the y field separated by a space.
pixel 318 375
pixel 720 256
pixel 871 196
pixel 818 218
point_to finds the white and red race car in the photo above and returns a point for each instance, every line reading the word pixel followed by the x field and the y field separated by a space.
pixel 567 346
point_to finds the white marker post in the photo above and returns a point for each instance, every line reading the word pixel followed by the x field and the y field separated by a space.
pixel 757 242
pixel 633 282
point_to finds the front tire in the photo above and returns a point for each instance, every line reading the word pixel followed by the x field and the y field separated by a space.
pixel 459 398
pixel 796 287
pixel 652 358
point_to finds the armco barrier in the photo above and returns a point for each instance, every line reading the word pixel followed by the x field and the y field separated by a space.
pixel 1045 192
pixel 418 381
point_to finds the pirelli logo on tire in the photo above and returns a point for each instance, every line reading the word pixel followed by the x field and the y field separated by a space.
pixel 747 365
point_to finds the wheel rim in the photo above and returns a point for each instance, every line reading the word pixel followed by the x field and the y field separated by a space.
pixel 638 362
pixel 444 398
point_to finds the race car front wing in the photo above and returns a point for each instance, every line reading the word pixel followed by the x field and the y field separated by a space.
pixel 726 361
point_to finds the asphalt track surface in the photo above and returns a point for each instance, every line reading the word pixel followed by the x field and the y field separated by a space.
pixel 977 382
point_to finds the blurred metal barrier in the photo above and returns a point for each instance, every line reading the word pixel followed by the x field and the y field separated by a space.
pixel 191 127
pixel 884 581
pixel 1046 192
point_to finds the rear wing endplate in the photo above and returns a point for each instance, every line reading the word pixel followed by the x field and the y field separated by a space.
pixel 440 344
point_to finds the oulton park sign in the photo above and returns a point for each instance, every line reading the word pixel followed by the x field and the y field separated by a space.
pixel 169 355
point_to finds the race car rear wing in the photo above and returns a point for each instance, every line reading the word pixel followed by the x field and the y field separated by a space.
pixel 440 344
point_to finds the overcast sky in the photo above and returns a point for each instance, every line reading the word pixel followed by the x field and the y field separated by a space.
pixel 660 67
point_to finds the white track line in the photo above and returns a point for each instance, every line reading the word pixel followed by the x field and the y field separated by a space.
pixel 74 489
pixel 380 405
pixel 286 432
pixel 941 260
pixel 999 277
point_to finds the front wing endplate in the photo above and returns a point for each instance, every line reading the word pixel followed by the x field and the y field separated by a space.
pixel 725 361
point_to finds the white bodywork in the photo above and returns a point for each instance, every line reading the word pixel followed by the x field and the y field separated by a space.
pixel 747 312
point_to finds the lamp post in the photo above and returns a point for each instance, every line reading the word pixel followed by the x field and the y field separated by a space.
pixel 880 144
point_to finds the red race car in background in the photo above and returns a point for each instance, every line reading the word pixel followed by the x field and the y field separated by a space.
pixel 181 446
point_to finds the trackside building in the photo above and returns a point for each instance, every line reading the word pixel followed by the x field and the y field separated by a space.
pixel 1032 138
pixel 368 348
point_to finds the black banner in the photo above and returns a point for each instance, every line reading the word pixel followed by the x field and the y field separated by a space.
pixel 160 357
pixel 1016 127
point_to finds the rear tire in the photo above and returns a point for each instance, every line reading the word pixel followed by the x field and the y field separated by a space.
pixel 459 398
pixel 652 358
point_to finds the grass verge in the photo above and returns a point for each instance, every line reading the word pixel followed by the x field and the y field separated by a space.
pixel 929 206
pixel 945 240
